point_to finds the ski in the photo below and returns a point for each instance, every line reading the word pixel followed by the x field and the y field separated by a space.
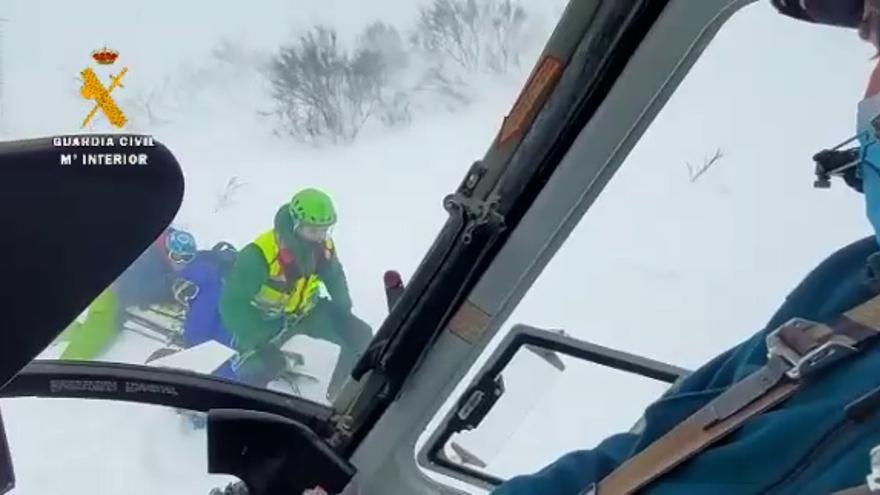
pixel 205 358
pixel 155 323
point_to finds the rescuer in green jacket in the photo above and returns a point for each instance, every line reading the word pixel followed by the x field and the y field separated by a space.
pixel 273 293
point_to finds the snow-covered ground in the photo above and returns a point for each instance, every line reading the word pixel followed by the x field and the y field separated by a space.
pixel 660 266
pixel 388 186
pixel 70 446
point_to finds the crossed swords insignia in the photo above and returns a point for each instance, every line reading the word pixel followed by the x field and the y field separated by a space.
pixel 92 89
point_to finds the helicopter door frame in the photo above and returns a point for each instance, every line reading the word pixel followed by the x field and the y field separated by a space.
pixel 474 404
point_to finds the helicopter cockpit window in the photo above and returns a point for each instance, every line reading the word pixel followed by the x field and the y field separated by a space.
pixel 305 176
pixel 710 221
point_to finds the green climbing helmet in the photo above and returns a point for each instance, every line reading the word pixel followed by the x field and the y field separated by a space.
pixel 312 207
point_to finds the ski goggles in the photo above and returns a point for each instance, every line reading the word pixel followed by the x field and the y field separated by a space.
pixel 181 257
pixel 314 233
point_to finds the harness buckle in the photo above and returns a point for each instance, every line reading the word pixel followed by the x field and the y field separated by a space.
pixel 820 355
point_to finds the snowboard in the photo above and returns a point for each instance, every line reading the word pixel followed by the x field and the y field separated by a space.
pixel 205 358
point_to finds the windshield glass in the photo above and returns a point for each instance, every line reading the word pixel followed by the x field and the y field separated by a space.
pixel 317 140
pixel 710 222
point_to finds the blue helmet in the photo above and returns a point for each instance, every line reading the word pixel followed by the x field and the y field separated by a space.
pixel 180 246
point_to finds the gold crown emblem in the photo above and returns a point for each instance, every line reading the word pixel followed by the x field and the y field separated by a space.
pixel 105 56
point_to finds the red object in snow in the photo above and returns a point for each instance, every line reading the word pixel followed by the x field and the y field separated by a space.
pixel 392 279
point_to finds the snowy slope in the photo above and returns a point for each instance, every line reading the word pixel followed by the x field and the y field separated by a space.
pixel 705 263
pixel 389 187
pixel 67 446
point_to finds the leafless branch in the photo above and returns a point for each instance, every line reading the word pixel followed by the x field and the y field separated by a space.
pixel 226 198
pixel 696 172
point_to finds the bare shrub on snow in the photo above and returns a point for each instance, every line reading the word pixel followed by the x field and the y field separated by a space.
pixel 229 76
pixel 150 106
pixel 316 90
pixel 484 35
pixel 323 92
pixel 459 38
pixel 385 41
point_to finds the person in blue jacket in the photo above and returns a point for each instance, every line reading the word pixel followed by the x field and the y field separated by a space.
pixel 813 443
pixel 147 281
pixel 198 287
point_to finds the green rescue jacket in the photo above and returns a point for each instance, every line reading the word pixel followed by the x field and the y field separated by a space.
pixel 260 292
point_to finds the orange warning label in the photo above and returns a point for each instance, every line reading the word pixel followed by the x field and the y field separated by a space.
pixel 531 98
pixel 469 322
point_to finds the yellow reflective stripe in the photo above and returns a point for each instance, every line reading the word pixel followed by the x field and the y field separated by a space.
pixel 269 299
pixel 312 288
pixel 301 298
pixel 303 294
pixel 295 297
pixel 269 248
pixel 270 296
